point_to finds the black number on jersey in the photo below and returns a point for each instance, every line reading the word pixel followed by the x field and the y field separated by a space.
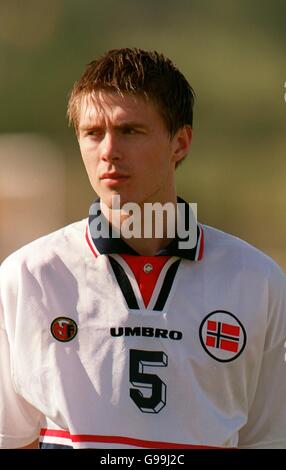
pixel 155 399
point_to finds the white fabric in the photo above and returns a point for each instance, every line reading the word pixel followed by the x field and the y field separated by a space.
pixel 82 386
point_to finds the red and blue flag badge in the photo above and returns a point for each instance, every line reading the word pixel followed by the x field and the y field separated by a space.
pixel 222 335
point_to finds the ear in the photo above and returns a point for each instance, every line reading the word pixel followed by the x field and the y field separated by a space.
pixel 181 143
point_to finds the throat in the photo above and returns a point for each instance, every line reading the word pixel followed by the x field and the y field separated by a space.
pixel 147 246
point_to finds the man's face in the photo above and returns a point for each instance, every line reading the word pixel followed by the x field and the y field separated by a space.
pixel 127 150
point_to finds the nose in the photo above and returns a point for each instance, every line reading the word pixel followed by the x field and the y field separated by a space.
pixel 110 147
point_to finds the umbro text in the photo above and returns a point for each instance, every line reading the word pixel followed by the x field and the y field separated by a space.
pixel 146 331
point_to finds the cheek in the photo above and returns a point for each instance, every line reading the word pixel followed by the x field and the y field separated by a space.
pixel 88 156
pixel 159 161
pixel 91 169
pixel 85 150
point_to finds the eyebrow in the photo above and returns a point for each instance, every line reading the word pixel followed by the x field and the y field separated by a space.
pixel 122 125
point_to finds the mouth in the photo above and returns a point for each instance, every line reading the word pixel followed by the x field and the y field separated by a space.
pixel 113 178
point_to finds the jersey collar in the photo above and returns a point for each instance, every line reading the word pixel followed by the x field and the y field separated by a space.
pixel 110 245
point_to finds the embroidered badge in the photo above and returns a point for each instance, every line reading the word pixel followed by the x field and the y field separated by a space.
pixel 222 336
pixel 64 329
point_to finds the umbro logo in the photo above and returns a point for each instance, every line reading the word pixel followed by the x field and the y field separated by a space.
pixel 222 336
pixel 146 331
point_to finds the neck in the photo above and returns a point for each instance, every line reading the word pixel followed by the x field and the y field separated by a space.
pixel 147 228
pixel 147 247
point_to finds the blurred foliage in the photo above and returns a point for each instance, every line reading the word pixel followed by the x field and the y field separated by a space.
pixel 232 52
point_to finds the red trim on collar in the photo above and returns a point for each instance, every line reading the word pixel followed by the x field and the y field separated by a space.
pixel 202 244
pixel 89 242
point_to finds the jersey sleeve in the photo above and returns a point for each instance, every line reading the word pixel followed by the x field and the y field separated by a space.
pixel 266 425
pixel 19 421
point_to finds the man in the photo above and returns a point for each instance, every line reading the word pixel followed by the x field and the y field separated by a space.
pixel 111 340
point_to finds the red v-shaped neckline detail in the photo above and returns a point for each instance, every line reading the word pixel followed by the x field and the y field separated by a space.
pixel 146 278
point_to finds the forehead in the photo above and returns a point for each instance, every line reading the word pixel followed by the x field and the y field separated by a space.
pixel 102 105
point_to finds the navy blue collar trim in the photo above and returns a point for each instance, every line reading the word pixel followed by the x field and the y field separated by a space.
pixel 110 245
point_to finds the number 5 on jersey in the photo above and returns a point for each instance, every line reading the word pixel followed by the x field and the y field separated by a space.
pixel 156 388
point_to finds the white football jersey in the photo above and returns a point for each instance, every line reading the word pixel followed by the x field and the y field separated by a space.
pixel 105 349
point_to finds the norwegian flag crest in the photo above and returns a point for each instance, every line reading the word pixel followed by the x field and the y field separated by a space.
pixel 222 335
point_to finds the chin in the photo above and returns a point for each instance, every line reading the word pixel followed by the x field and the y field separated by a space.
pixel 107 199
pixel 124 195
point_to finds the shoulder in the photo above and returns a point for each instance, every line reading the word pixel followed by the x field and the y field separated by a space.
pixel 62 243
pixel 233 252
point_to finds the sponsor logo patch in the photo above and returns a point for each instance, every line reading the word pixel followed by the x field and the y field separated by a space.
pixel 222 336
pixel 64 329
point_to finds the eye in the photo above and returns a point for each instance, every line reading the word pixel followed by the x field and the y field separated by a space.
pixel 129 130
pixel 96 133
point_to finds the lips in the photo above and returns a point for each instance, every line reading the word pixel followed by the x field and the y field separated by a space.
pixel 114 175
pixel 114 179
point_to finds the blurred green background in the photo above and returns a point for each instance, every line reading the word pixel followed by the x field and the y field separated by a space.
pixel 232 52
